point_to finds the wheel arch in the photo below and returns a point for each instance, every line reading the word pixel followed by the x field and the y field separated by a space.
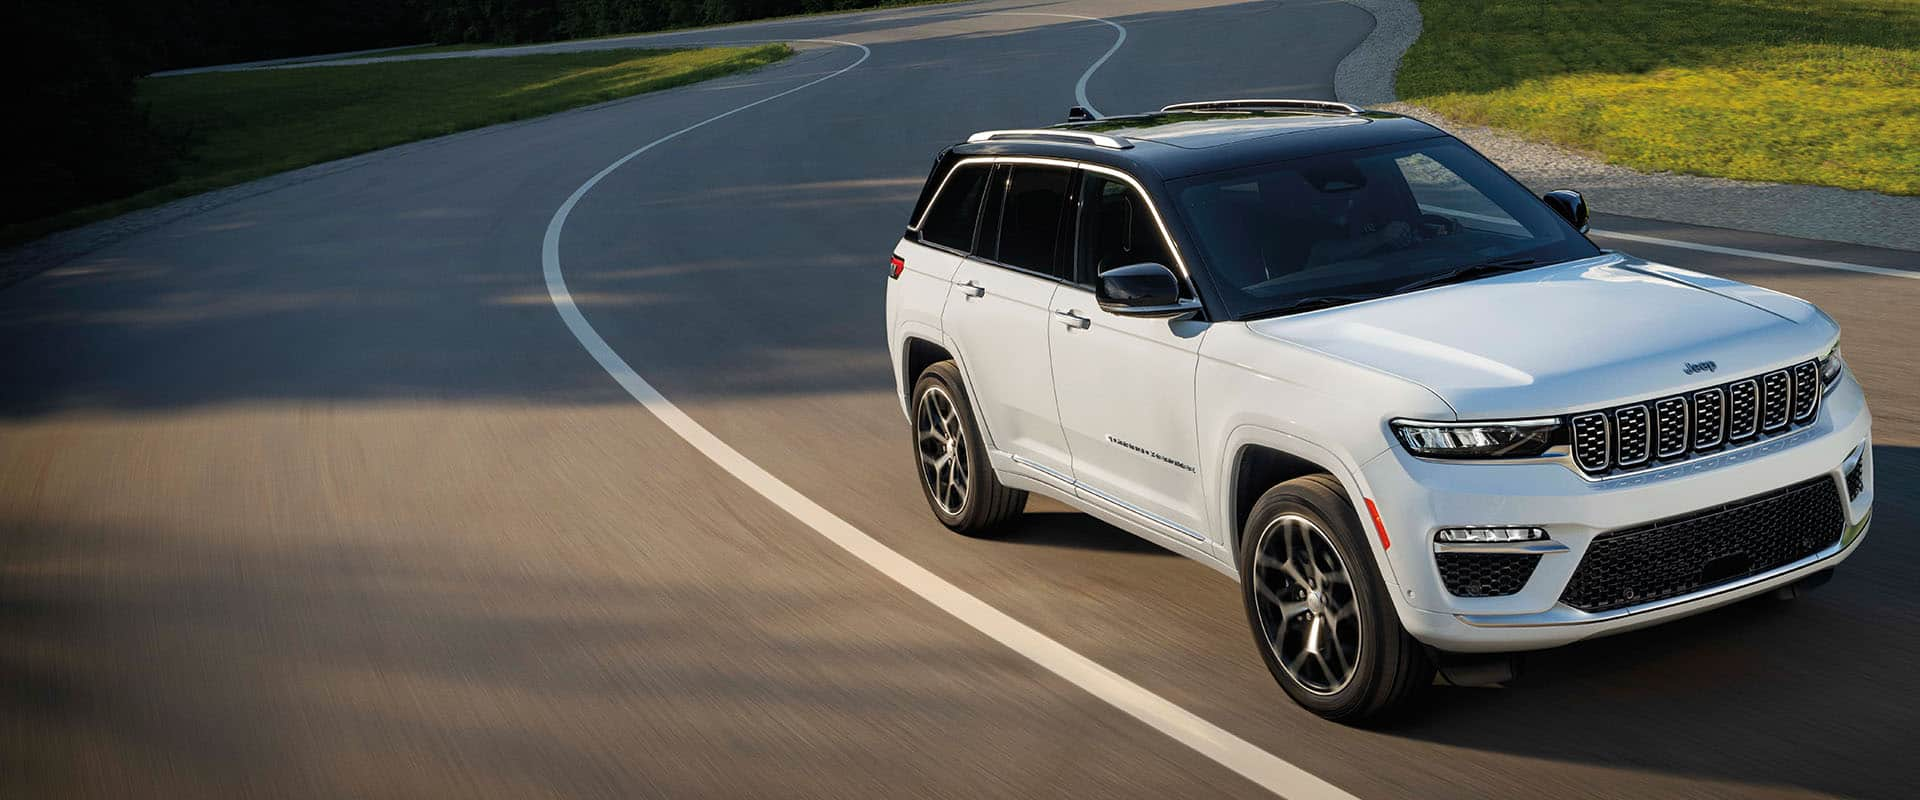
pixel 916 354
pixel 1261 459
pixel 1258 467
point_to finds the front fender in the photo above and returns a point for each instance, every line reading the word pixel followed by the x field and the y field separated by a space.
pixel 1337 464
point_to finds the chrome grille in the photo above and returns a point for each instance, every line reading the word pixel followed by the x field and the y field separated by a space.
pixel 1670 424
pixel 1743 409
pixel 1806 391
pixel 1671 429
pixel 1709 417
pixel 1635 441
pixel 1590 442
pixel 1773 400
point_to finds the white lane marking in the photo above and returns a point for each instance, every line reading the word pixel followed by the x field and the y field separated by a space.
pixel 1080 88
pixel 1760 254
pixel 1266 769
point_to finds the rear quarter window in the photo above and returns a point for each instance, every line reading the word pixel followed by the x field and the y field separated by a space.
pixel 951 219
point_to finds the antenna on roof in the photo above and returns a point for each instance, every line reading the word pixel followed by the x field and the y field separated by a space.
pixel 1080 114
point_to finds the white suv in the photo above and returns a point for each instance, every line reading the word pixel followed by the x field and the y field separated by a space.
pixel 1343 357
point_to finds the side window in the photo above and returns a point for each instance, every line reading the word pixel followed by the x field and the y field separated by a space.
pixel 950 221
pixel 1116 228
pixel 1032 218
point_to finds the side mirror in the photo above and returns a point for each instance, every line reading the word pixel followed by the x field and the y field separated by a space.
pixel 1142 290
pixel 1570 205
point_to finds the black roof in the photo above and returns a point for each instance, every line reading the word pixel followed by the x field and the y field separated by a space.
pixel 1181 143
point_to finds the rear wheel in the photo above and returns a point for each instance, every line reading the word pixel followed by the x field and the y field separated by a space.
pixel 951 457
pixel 1319 608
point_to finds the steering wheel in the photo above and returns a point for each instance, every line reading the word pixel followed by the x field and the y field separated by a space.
pixel 1434 226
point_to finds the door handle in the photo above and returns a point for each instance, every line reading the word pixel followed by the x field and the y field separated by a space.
pixel 971 289
pixel 1068 318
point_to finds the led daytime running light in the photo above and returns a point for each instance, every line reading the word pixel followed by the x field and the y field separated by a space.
pixel 1489 535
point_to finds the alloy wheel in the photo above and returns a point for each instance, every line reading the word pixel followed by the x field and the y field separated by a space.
pixel 943 450
pixel 1308 611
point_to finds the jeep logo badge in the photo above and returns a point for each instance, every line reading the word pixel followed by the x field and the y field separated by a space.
pixel 1694 367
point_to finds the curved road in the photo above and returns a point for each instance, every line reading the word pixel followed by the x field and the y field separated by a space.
pixel 314 494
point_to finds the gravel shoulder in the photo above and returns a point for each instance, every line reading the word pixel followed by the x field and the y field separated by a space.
pixel 1809 212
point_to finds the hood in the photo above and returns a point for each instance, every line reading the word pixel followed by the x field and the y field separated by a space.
pixel 1584 334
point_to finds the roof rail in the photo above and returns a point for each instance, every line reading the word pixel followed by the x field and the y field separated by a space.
pixel 1096 139
pixel 1327 106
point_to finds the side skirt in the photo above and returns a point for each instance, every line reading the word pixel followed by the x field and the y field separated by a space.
pixel 1020 474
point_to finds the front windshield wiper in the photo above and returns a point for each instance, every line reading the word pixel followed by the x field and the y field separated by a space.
pixel 1310 304
pixel 1470 272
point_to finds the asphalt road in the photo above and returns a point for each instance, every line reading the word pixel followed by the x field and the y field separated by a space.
pixel 314 494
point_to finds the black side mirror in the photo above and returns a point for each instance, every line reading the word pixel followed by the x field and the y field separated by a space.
pixel 1142 290
pixel 1080 114
pixel 1570 205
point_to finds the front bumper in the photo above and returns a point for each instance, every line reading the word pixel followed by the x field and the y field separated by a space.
pixel 1416 498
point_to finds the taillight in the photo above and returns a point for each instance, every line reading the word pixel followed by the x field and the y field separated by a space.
pixel 899 264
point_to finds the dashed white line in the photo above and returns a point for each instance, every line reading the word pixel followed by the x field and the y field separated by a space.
pixel 1259 766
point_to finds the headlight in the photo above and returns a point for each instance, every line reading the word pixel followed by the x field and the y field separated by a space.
pixel 1518 439
pixel 1831 365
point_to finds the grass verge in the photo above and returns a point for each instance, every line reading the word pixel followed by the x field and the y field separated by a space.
pixel 1816 91
pixel 239 126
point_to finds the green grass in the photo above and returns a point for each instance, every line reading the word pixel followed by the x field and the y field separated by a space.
pixel 245 125
pixel 1820 91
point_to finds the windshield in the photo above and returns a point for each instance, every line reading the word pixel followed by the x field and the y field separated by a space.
pixel 1344 227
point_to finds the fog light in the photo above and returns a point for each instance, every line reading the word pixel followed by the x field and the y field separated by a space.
pixel 1466 535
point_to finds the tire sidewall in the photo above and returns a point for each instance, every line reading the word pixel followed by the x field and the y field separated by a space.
pixel 945 376
pixel 1379 624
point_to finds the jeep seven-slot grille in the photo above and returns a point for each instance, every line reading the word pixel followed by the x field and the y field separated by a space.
pixel 1671 429
pixel 1707 548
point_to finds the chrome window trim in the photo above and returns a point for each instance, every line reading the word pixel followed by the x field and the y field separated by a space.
pixel 1159 220
pixel 915 225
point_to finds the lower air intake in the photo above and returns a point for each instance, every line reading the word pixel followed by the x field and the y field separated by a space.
pixel 1707 548
pixel 1486 574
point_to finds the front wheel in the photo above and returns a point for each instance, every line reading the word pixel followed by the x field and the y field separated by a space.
pixel 951 456
pixel 1319 608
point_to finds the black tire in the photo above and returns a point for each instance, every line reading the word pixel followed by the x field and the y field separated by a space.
pixel 1390 670
pixel 980 505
